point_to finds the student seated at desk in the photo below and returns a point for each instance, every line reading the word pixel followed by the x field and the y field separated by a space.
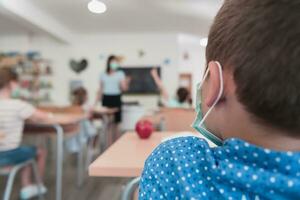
pixel 249 106
pixel 182 99
pixel 13 113
pixel 80 98
pixel 87 129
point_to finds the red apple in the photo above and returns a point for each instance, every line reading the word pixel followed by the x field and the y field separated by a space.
pixel 144 129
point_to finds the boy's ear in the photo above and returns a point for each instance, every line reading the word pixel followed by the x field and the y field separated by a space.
pixel 213 84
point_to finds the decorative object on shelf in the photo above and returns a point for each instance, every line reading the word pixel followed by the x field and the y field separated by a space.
pixel 11 60
pixel 102 56
pixel 45 84
pixel 46 97
pixel 141 53
pixel 36 69
pixel 186 56
pixel 167 61
pixel 48 70
pixel 33 55
pixel 34 75
pixel 12 54
pixel 79 66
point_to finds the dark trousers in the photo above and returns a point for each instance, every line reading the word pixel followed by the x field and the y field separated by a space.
pixel 113 101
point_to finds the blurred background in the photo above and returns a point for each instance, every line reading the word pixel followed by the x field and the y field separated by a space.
pixel 170 34
pixel 57 46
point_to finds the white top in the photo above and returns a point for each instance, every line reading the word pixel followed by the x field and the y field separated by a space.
pixel 13 113
pixel 111 83
pixel 174 103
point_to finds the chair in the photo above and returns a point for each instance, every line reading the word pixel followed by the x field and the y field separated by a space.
pixel 85 132
pixel 177 119
pixel 130 188
pixel 11 173
pixel 70 110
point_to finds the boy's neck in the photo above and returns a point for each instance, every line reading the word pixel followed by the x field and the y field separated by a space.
pixel 262 135
pixel 4 94
pixel 273 139
pixel 240 124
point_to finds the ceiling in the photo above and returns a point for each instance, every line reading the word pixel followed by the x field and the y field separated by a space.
pixel 11 26
pixel 187 16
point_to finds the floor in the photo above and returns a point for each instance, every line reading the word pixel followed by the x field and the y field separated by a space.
pixel 92 189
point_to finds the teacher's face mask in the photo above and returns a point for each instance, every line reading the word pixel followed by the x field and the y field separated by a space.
pixel 201 117
pixel 114 65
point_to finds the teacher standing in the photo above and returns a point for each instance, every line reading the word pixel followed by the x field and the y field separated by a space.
pixel 112 84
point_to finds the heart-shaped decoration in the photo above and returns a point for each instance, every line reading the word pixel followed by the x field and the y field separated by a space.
pixel 79 66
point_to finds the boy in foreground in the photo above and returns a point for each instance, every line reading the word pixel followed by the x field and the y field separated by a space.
pixel 249 105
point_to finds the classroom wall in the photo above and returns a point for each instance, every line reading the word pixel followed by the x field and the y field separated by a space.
pixel 195 62
pixel 164 49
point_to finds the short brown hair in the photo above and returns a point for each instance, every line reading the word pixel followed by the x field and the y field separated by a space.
pixel 182 94
pixel 79 96
pixel 6 76
pixel 259 41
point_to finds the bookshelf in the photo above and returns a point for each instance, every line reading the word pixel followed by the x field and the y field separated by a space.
pixel 35 77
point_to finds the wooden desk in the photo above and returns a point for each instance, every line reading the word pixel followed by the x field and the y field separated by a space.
pixel 166 119
pixel 68 122
pixel 65 121
pixel 126 157
pixel 102 111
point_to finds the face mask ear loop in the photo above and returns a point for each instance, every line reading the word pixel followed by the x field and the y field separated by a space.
pixel 204 77
pixel 200 85
pixel 219 95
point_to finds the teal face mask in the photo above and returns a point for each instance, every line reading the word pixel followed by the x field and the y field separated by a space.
pixel 16 93
pixel 198 124
pixel 114 66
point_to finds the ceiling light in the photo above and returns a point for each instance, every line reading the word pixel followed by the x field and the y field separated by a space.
pixel 203 42
pixel 96 6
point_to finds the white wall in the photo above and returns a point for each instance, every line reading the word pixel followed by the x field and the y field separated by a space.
pixel 157 47
pixel 195 64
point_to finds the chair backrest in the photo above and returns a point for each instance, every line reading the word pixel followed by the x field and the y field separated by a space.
pixel 178 119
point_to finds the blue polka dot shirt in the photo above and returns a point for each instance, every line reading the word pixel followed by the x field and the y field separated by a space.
pixel 187 168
